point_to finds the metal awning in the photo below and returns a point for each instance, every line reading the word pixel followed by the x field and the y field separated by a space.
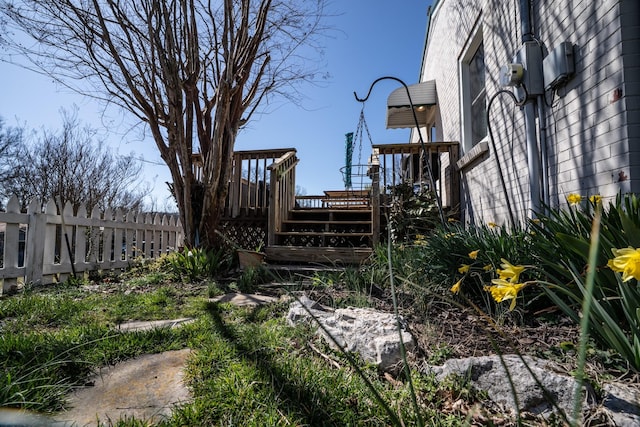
pixel 423 96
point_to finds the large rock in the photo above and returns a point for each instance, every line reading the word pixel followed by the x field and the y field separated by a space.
pixel 536 384
pixel 371 333
pixel 622 403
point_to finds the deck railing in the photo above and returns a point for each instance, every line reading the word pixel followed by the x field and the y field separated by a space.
pixel 402 163
pixel 338 199
pixel 263 182
pixel 282 194
pixel 249 189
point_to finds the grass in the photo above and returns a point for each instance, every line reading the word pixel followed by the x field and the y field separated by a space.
pixel 249 367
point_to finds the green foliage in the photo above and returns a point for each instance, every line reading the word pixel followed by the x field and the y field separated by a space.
pixel 563 253
pixel 411 212
pixel 251 278
pixel 432 265
pixel 197 264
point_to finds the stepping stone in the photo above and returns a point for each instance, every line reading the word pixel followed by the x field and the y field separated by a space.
pixel 244 299
pixel 152 324
pixel 146 388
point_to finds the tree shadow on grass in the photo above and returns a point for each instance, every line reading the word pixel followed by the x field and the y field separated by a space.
pixel 308 405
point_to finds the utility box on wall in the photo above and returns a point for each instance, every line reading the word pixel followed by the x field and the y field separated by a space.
pixel 530 56
pixel 558 66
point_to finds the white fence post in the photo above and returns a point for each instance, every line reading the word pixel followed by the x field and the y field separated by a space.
pixel 11 241
pixel 66 238
pixel 34 251
pixel 80 240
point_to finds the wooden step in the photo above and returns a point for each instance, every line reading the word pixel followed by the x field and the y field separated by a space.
pixel 321 234
pixel 319 255
pixel 333 210
pixel 321 222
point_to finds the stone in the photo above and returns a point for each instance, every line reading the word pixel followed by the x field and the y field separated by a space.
pixel 147 387
pixel 372 334
pixel 622 403
pixel 240 299
pixel 146 325
pixel 487 373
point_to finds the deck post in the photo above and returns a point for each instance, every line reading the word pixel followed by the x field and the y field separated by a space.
pixel 454 177
pixel 273 209
pixel 236 185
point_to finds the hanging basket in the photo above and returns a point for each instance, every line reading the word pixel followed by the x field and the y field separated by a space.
pixel 356 177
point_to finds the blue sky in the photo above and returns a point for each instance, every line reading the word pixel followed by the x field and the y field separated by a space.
pixel 370 39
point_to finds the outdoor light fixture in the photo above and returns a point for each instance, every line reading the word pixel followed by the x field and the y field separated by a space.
pixel 511 75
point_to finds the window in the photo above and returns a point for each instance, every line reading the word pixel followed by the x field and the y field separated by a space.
pixel 474 94
pixel 478 96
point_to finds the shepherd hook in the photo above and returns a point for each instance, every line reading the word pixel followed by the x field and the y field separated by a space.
pixel 422 144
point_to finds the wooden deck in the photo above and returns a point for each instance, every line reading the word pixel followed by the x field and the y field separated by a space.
pixel 338 226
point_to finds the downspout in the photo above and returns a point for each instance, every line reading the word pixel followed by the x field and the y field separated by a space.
pixel 525 21
pixel 542 123
pixel 533 158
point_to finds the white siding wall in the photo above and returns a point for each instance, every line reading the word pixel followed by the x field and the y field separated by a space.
pixel 587 128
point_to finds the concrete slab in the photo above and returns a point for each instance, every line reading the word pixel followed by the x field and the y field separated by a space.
pixel 147 387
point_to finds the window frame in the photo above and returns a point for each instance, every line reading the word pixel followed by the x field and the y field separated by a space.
pixel 475 41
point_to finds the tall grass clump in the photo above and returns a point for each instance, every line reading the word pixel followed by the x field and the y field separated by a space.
pixel 197 264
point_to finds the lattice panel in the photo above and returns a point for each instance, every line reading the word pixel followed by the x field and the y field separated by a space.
pixel 246 234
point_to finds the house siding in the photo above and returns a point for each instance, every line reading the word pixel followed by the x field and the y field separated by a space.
pixel 592 122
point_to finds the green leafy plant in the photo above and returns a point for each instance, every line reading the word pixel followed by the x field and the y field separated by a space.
pixel 411 212
pixel 614 298
pixel 197 264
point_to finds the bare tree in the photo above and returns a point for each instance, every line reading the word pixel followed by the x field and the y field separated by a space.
pixel 194 71
pixel 75 166
pixel 11 138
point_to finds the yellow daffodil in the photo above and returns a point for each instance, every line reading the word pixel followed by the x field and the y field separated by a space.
pixel 627 262
pixel 503 290
pixel 464 268
pixel 456 288
pixel 574 199
pixel 509 272
pixel 474 254
pixel 452 220
pixel 488 267
pixel 492 224
pixel 595 199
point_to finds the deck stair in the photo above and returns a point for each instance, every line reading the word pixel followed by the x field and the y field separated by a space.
pixel 263 208
pixel 334 233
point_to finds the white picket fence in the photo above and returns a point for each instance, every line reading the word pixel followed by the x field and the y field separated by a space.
pixel 35 250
